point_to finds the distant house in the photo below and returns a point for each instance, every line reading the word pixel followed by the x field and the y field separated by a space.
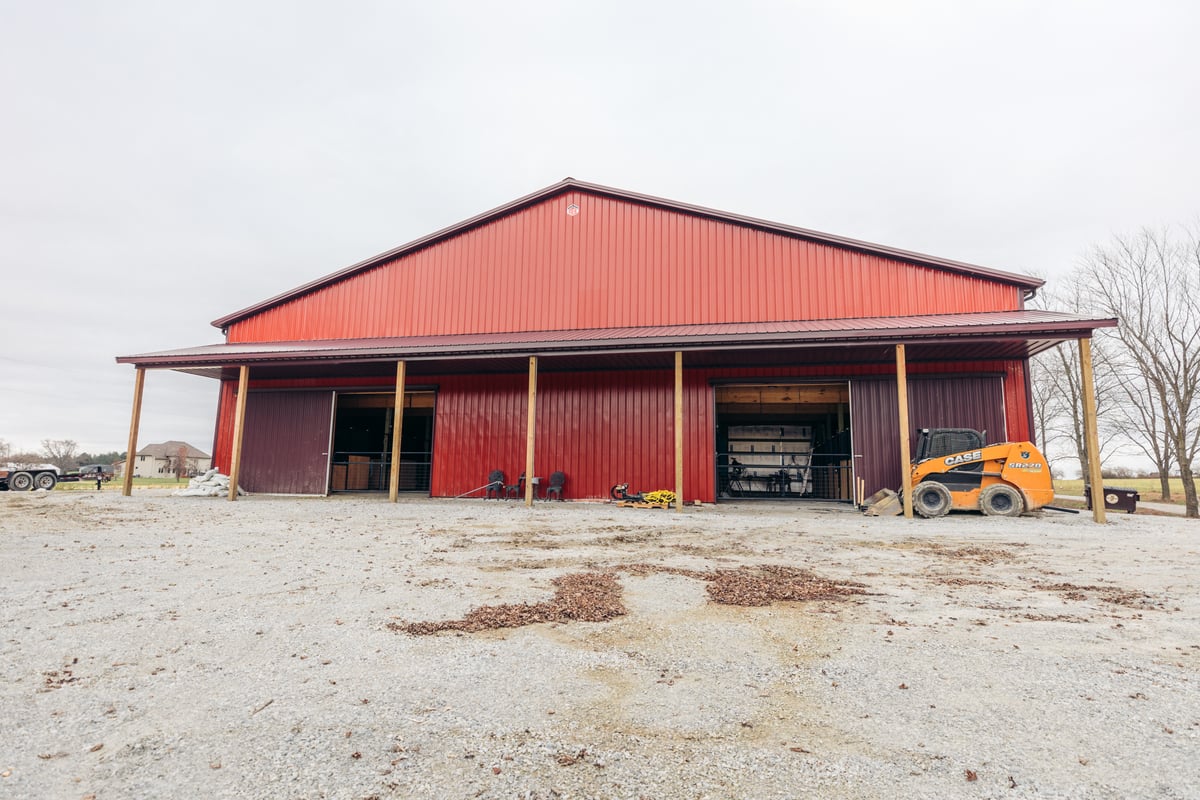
pixel 164 459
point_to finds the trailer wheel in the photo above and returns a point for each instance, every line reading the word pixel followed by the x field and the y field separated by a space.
pixel 1001 500
pixel 45 480
pixel 931 499
pixel 20 481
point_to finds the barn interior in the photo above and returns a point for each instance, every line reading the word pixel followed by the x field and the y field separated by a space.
pixel 362 442
pixel 783 441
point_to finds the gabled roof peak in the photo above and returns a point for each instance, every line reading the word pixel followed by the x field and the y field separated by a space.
pixel 1028 283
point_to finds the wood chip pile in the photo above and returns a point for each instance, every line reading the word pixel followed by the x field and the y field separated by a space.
pixel 761 585
pixel 582 597
pixel 596 596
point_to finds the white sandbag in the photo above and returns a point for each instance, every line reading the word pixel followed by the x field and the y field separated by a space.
pixel 210 484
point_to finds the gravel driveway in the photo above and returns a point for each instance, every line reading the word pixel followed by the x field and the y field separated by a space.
pixel 164 647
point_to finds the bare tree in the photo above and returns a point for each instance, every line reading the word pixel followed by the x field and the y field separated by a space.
pixel 5 450
pixel 1057 388
pixel 177 462
pixel 1045 408
pixel 26 459
pixel 1140 416
pixel 180 465
pixel 1151 282
pixel 61 453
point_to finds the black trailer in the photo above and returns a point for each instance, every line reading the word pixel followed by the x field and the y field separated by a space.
pixel 27 479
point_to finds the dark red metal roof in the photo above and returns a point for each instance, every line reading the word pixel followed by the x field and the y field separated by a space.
pixel 947 329
pixel 570 184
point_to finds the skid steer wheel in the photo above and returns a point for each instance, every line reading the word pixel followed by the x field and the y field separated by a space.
pixel 1001 500
pixel 931 499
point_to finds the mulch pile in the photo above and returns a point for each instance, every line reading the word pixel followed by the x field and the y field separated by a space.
pixel 581 597
pixel 596 596
pixel 761 585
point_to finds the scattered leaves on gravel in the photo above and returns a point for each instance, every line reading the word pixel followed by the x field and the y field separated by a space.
pixel 581 597
pixel 569 759
pixel 1108 594
pixel 956 580
pixel 56 679
pixel 981 555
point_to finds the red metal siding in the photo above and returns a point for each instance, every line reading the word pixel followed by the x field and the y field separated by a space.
pixel 479 426
pixel 539 269
pixel 604 427
pixel 873 426
pixel 934 402
pixel 286 445
pixel 599 428
pixel 1018 406
pixel 223 440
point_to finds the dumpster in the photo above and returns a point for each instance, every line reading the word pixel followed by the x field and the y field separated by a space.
pixel 1115 498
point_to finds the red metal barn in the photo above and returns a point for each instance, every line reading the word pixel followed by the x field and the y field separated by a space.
pixel 638 335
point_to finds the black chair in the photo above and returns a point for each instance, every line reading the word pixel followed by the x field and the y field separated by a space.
pixel 495 484
pixel 555 487
pixel 514 489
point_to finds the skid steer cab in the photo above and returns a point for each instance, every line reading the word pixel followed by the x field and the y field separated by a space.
pixel 957 470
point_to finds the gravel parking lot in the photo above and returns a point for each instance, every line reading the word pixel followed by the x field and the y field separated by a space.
pixel 165 647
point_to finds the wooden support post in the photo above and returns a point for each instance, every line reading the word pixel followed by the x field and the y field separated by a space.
pixel 397 427
pixel 239 428
pixel 905 454
pixel 1091 435
pixel 529 435
pixel 679 430
pixel 139 383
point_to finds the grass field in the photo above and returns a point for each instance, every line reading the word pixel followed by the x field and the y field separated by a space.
pixel 115 484
pixel 1148 488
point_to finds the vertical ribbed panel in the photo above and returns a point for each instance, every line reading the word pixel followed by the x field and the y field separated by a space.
pixel 609 266
pixel 599 428
pixel 223 439
pixel 934 402
pixel 286 444
pixel 605 427
pixel 967 402
pixel 1018 403
pixel 874 423
pixel 479 426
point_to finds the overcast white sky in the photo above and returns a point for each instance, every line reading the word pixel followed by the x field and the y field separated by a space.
pixel 163 164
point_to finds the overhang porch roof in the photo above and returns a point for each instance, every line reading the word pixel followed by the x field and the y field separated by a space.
pixel 988 335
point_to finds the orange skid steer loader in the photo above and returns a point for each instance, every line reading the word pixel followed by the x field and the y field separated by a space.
pixel 956 470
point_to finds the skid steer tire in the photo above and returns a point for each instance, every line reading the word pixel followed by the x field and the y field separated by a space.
pixel 1001 500
pixel 931 499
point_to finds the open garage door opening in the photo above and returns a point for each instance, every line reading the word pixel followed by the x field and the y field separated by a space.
pixel 362 442
pixel 784 441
